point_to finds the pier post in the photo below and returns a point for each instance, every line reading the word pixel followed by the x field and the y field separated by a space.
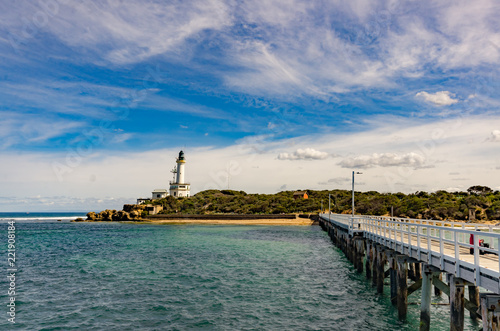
pixel 418 271
pixel 402 276
pixel 411 271
pixel 490 311
pixel 369 256
pixel 380 270
pixel 342 242
pixel 359 243
pixel 348 250
pixel 394 280
pixel 425 306
pixel 437 291
pixel 354 252
pixel 457 303
pixel 375 275
pixel 474 298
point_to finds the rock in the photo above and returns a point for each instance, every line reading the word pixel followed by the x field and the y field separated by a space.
pixel 129 208
pixel 107 215
pixel 91 216
pixel 121 216
pixel 79 219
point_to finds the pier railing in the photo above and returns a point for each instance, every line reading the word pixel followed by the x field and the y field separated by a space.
pixel 445 245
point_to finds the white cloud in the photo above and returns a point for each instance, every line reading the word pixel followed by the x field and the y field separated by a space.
pixel 494 136
pixel 304 154
pixel 441 98
pixel 384 160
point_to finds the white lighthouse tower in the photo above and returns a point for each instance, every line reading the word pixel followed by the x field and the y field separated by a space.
pixel 178 188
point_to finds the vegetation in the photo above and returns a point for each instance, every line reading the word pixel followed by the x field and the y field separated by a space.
pixel 481 202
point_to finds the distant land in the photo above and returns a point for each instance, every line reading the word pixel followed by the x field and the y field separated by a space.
pixel 477 204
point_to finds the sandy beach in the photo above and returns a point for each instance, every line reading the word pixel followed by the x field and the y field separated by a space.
pixel 297 221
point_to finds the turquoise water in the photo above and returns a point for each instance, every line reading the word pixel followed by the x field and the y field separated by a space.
pixel 176 277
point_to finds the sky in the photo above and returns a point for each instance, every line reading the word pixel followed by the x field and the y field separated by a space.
pixel 97 98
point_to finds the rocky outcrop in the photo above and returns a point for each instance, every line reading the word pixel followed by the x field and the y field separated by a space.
pixel 111 215
pixel 131 208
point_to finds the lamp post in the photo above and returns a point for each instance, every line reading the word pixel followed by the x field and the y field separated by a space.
pixel 357 173
pixel 329 207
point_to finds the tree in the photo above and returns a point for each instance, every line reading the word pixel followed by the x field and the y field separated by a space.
pixel 479 190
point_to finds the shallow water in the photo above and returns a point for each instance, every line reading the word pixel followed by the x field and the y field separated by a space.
pixel 176 277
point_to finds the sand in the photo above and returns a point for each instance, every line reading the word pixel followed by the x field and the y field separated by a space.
pixel 297 221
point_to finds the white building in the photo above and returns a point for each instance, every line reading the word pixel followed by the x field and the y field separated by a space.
pixel 142 200
pixel 159 194
pixel 179 188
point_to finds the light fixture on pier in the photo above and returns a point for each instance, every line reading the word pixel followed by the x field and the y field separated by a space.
pixel 357 173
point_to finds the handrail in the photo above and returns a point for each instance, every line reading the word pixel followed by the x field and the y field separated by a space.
pixel 438 240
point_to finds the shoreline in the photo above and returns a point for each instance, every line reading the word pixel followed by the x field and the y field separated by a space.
pixel 263 221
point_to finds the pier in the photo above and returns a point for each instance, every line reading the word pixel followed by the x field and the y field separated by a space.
pixel 425 254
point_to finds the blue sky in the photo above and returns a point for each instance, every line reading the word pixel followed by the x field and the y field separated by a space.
pixel 97 98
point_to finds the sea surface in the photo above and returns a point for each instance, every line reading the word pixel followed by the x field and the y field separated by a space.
pixel 113 276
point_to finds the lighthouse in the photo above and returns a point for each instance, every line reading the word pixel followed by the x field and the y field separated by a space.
pixel 178 187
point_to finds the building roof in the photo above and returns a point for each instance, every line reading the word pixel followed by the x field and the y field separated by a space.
pixel 300 193
pixel 160 190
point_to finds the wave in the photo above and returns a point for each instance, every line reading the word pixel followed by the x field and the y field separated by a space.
pixel 38 218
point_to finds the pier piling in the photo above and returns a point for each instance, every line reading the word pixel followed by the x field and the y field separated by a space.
pixel 393 280
pixel 457 303
pixel 381 260
pixel 402 279
pixel 375 264
pixel 425 306
pixel 359 247
pixel 490 311
pixel 474 299
pixel 411 271
pixel 369 258
pixel 418 271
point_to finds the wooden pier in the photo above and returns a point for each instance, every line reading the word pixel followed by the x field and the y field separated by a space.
pixel 416 254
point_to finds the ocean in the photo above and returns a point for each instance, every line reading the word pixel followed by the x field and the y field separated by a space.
pixel 114 276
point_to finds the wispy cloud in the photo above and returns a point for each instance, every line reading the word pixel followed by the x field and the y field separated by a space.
pixel 336 181
pixel 33 128
pixel 128 33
